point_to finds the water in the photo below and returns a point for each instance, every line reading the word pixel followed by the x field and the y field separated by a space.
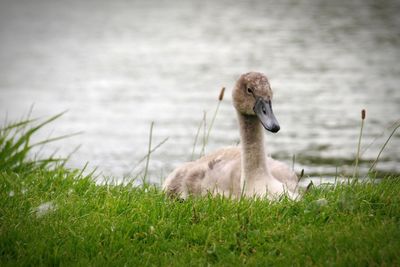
pixel 116 66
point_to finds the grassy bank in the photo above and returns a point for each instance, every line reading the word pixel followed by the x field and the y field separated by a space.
pixel 53 216
pixel 56 217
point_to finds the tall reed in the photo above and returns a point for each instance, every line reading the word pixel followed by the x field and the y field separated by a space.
pixel 196 138
pixel 148 152
pixel 355 172
pixel 207 132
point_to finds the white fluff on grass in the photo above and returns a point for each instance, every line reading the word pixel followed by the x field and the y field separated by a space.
pixel 44 209
pixel 321 202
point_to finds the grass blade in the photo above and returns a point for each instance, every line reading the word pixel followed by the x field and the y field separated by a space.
pixel 383 147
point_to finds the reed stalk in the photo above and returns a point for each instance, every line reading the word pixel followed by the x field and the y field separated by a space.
pixel 146 158
pixel 146 169
pixel 196 138
pixel 355 172
pixel 203 148
pixel 207 136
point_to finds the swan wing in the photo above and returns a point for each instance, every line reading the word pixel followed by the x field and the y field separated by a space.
pixel 216 173
pixel 283 173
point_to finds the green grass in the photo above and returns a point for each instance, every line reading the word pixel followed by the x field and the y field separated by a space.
pixel 50 215
pixel 102 225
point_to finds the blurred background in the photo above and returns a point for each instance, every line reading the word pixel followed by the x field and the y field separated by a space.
pixel 116 66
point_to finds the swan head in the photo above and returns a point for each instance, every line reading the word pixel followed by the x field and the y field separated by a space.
pixel 252 96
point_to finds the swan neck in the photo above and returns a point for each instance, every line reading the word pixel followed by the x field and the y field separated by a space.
pixel 252 145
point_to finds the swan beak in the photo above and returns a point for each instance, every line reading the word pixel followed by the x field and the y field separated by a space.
pixel 263 110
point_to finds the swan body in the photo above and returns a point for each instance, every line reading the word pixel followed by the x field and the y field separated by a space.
pixel 244 170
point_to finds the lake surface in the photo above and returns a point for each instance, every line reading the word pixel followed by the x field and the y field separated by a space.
pixel 116 66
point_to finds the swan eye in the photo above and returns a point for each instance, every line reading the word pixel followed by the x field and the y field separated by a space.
pixel 250 91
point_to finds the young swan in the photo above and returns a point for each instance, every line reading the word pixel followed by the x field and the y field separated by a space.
pixel 244 170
